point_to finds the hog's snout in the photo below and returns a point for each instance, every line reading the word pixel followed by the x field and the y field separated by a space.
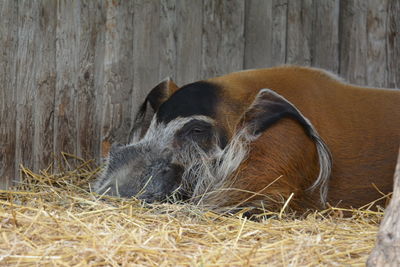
pixel 162 183
pixel 137 171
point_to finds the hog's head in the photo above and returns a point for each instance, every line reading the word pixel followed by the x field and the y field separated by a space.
pixel 169 152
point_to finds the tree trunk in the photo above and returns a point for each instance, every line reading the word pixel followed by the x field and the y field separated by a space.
pixel 387 249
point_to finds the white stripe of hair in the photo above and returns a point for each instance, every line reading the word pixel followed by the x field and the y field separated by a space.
pixel 214 176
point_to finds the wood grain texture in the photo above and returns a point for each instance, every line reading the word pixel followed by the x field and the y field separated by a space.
pixel 258 30
pixel 167 41
pixel 325 51
pixel 279 32
pixel 45 68
pixel 223 37
pixel 146 49
pixel 299 32
pixel 376 43
pixel 35 83
pixel 8 51
pixel 25 83
pixel 265 33
pixel 393 43
pixel 353 45
pixel 67 67
pixel 90 54
pixel 189 28
pixel 118 73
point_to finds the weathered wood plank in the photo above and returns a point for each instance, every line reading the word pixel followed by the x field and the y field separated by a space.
pixel 325 52
pixel 146 46
pixel 265 33
pixel 258 31
pixel 279 32
pixel 223 37
pixel 8 74
pixel 353 45
pixel 92 23
pixel 67 67
pixel 189 14
pixel 376 43
pixel 98 79
pixel 25 84
pixel 393 44
pixel 167 41
pixel 151 61
pixel 299 32
pixel 45 65
pixel 117 76
pixel 35 83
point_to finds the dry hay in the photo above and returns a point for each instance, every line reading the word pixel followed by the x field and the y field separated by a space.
pixel 53 220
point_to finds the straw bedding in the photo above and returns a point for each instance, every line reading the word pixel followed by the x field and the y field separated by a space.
pixel 53 220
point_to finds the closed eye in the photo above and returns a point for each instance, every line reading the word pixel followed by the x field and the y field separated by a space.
pixel 198 130
pixel 195 128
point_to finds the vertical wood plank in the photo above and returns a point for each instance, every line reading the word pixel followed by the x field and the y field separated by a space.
pixel 167 41
pixel 393 44
pixel 44 87
pixel 300 32
pixel 117 77
pixel 223 37
pixel 279 32
pixel 92 24
pixel 376 43
pixel 35 83
pixel 98 79
pixel 25 84
pixel 8 51
pixel 189 41
pixel 265 33
pixel 146 46
pixel 353 36
pixel 145 49
pixel 258 33
pixel 67 66
pixel 325 52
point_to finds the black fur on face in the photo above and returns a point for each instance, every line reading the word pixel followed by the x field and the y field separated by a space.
pixel 200 98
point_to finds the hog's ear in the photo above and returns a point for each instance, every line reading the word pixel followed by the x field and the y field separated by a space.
pixel 161 93
pixel 155 98
pixel 268 108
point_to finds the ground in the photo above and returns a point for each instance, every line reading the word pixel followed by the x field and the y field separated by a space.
pixel 54 220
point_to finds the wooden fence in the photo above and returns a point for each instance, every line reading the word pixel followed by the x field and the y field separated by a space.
pixel 72 73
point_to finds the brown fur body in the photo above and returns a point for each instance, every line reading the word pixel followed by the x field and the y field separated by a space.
pixel 360 126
